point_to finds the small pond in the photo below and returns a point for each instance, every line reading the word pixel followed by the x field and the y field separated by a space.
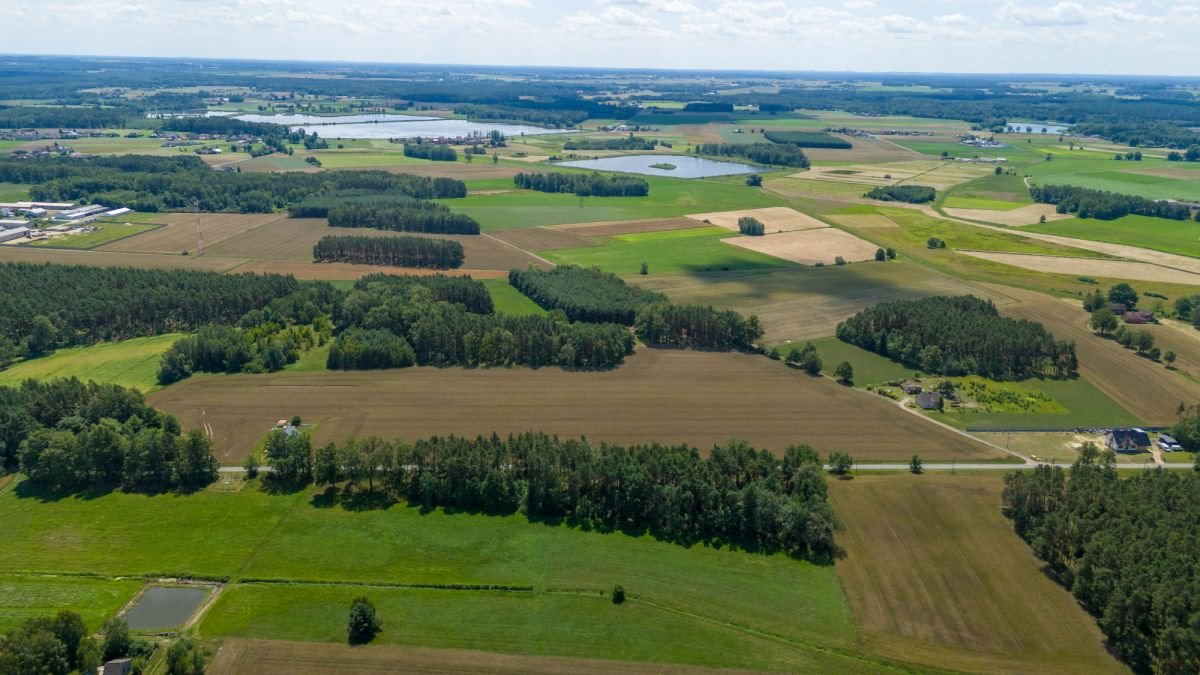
pixel 162 607
pixel 685 167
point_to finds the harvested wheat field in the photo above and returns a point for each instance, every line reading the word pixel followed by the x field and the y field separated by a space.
pixel 102 258
pixel 179 232
pixel 1111 269
pixel 612 228
pixel 868 221
pixel 700 398
pixel 937 174
pixel 541 238
pixel 809 247
pixel 272 657
pixel 1026 215
pixel 774 218
pixel 935 574
pixel 1142 387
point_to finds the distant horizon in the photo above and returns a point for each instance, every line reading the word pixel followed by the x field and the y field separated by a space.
pixel 1112 37
pixel 849 74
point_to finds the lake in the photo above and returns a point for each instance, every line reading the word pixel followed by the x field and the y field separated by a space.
pixel 162 607
pixel 1021 128
pixel 397 126
pixel 685 166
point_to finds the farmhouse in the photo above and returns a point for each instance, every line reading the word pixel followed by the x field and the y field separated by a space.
pixel 929 400
pixel 1138 316
pixel 1127 440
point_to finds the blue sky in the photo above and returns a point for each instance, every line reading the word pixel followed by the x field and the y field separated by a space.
pixel 854 35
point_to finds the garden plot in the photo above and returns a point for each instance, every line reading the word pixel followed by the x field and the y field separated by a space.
pixel 809 247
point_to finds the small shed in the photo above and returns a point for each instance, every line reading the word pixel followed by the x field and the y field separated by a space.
pixel 912 389
pixel 929 400
pixel 117 667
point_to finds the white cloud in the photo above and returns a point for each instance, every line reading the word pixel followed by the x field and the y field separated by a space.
pixel 1062 14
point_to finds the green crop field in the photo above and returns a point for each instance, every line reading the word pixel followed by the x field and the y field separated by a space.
pixel 1073 403
pixel 1160 234
pixel 129 363
pixel 1149 178
pixel 108 233
pixel 38 596
pixel 916 228
pixel 668 197
pixel 670 252
pixel 508 299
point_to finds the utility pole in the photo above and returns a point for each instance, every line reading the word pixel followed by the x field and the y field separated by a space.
pixel 199 233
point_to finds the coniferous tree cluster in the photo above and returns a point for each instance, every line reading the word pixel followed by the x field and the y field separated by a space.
pixel 735 494
pixel 148 183
pixel 751 226
pixel 67 435
pixel 431 151
pixel 762 153
pixel 1125 547
pixel 961 335
pixel 583 294
pixel 594 184
pixel 403 216
pixel 81 305
pixel 629 142
pixel 911 194
pixel 808 139
pixel 1103 205
pixel 696 326
pixel 398 251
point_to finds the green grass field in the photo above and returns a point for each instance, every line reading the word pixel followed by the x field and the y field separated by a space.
pixel 509 300
pixel 668 197
pixel 1171 236
pixel 108 233
pixel 1075 404
pixel 12 192
pixel 869 368
pixel 1101 172
pixel 129 363
pixel 669 252
pixel 243 533
pixel 31 597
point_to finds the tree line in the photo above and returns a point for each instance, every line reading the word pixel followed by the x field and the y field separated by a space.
pixel 545 117
pixel 1125 547
pixel 176 183
pixel 594 184
pixel 46 306
pixel 402 215
pixel 583 294
pixel 911 194
pixel 69 436
pixel 696 326
pixel 431 151
pixel 961 335
pixel 63 644
pixel 399 251
pixel 808 139
pixel 761 153
pixel 735 494
pixel 629 142
pixel 1103 205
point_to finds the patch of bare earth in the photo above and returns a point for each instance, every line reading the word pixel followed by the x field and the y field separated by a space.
pixel 809 247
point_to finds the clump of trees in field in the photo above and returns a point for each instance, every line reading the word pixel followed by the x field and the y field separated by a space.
pixel 47 306
pixel 63 644
pixel 364 623
pixel 751 226
pixel 696 326
pixel 961 335
pixel 1125 547
pixel 735 494
pixel 399 213
pixel 629 142
pixel 431 151
pixel 67 435
pixel 763 153
pixel 593 184
pixel 398 251
pixel 583 294
pixel 149 183
pixel 808 139
pixel 910 194
pixel 1103 205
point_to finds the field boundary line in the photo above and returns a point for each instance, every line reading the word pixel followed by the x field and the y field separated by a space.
pixel 470 588
pixel 511 245
pixel 267 536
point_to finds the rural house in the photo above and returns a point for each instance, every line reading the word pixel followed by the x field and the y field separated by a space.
pixel 1118 308
pixel 929 400
pixel 912 389
pixel 1138 316
pixel 1128 440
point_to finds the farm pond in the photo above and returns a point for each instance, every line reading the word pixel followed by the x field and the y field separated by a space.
pixel 162 607
pixel 685 167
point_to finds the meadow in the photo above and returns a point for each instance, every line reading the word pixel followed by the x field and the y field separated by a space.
pixel 687 251
pixel 107 233
pixel 129 363
pixel 36 596
pixel 509 300
pixel 1170 236
pixel 1073 403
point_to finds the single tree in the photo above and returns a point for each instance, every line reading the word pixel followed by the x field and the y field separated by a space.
pixel 618 594
pixel 116 639
pixel 364 624
pixel 1169 357
pixel 1123 294
pixel 914 464
pixel 645 269
pixel 840 463
pixel 251 465
pixel 844 372
pixel 880 255
pixel 1104 321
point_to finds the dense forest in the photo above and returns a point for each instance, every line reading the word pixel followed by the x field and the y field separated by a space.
pixel 350 208
pixel 446 324
pixel 543 116
pixel 736 494
pixel 67 436
pixel 1125 547
pixel 369 349
pixel 398 251
pixel 808 139
pixel 762 153
pixel 629 142
pixel 912 194
pixel 148 183
pixel 585 185
pixel 583 294
pixel 961 335
pixel 46 306
pixel 431 151
pixel 696 326
pixel 1102 205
